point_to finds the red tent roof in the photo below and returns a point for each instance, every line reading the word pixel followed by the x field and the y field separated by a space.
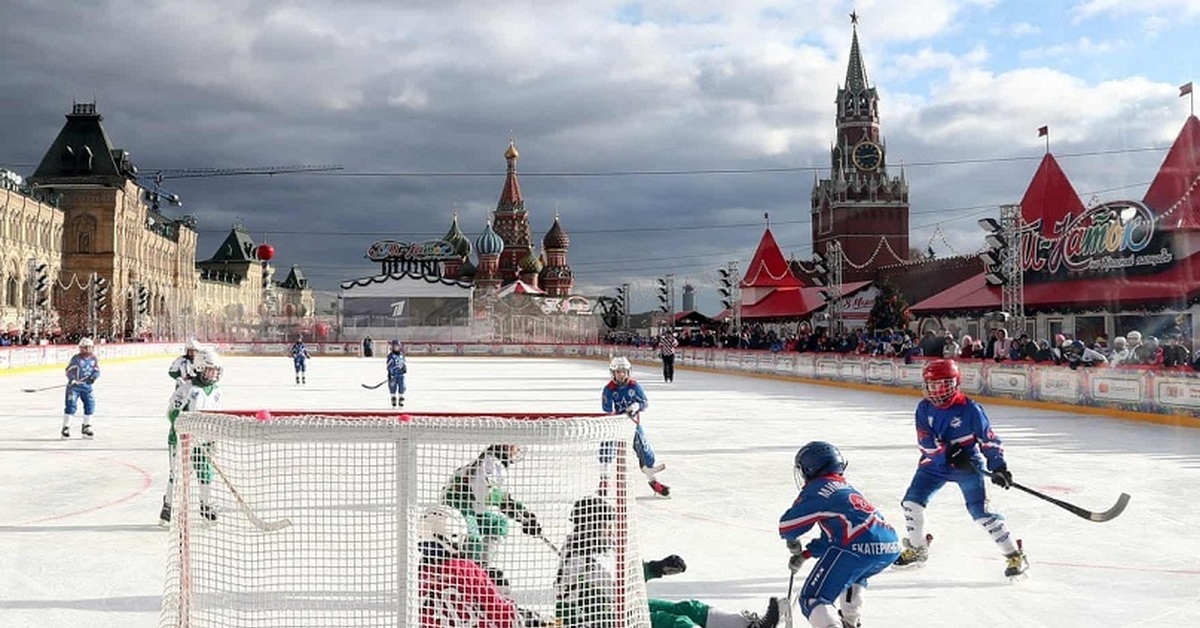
pixel 1050 196
pixel 780 303
pixel 769 268
pixel 1179 284
pixel 1174 194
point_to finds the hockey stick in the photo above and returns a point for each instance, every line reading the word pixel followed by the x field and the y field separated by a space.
pixel 548 543
pixel 265 526
pixel 370 387
pixel 44 388
pixel 1099 517
pixel 790 606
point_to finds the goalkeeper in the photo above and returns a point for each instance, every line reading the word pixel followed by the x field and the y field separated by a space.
pixel 585 590
pixel 477 490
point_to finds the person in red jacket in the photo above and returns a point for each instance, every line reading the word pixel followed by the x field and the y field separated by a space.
pixel 454 590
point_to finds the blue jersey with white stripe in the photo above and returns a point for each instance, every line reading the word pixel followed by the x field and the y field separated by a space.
pixel 617 398
pixel 847 519
pixel 396 365
pixel 963 423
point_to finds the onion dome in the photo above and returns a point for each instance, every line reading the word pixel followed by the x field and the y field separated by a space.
pixel 467 270
pixel 531 264
pixel 488 242
pixel 556 238
pixel 458 239
pixel 511 153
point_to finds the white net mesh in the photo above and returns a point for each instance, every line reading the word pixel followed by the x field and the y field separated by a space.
pixel 318 522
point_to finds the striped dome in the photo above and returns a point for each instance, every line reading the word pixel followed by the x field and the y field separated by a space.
pixel 458 239
pixel 488 242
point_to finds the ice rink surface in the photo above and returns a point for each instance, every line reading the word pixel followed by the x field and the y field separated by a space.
pixel 80 545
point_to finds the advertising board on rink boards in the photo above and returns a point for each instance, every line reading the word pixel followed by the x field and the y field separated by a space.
pixel 972 377
pixel 881 372
pixel 1114 387
pixel 1008 381
pixel 853 370
pixel 1177 392
pixel 1057 384
pixel 827 368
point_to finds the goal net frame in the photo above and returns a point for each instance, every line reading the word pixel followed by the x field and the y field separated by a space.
pixel 318 515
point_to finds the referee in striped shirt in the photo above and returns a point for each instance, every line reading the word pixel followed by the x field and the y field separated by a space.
pixel 666 349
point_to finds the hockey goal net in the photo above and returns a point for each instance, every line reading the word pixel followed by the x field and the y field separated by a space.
pixel 320 520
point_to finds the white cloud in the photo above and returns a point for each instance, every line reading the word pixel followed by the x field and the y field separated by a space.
pixel 1084 46
pixel 1096 8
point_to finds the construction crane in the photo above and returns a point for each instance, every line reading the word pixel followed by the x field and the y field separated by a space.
pixel 151 182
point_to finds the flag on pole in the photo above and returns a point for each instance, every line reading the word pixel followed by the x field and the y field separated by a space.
pixel 1185 89
pixel 1043 131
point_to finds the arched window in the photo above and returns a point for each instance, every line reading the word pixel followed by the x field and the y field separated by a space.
pixel 85 242
pixel 10 292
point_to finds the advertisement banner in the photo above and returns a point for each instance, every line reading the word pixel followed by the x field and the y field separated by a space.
pixel 1008 380
pixel 445 349
pixel 477 350
pixel 511 350
pixel 853 370
pixel 1106 387
pixel 972 377
pixel 416 350
pixel 880 372
pixel 1177 392
pixel 1057 384
pixel 828 368
pixel 785 364
pixel 910 375
pixel 541 350
pixel 806 366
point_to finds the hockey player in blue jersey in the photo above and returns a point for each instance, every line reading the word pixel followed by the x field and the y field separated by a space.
pixel 396 368
pixel 855 543
pixel 82 372
pixel 300 357
pixel 623 395
pixel 956 440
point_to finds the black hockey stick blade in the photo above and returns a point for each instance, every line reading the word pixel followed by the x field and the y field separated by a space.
pixel 1099 517
pixel 370 387
pixel 43 389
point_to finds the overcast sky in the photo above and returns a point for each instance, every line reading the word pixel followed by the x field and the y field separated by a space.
pixel 417 100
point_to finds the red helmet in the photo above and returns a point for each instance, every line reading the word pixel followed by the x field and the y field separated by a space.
pixel 942 379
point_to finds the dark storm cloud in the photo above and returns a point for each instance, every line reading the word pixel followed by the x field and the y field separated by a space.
pixel 438 87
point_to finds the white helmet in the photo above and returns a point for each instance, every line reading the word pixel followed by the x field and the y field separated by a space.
pixel 86 342
pixel 1134 336
pixel 208 365
pixel 620 363
pixel 445 526
pixel 192 345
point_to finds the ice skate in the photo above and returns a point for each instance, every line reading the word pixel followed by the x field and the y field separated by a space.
pixel 297 379
pixel 86 430
pixel 400 401
pixel 394 402
pixel 769 619
pixel 913 556
pixel 1016 564
pixel 660 488
pixel 66 432
pixel 208 512
pixel 303 379
pixel 849 623
pixel 164 515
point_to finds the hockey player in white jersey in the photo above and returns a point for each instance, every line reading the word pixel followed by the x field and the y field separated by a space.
pixel 184 366
pixel 203 392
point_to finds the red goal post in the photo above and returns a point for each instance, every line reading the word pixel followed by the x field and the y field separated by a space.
pixel 319 516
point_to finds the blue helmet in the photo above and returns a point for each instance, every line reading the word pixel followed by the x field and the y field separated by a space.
pixel 816 459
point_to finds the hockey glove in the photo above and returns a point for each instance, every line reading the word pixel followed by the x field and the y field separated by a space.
pixel 960 458
pixel 90 380
pixel 668 566
pixel 633 410
pixel 529 524
pixel 799 554
pixel 1002 477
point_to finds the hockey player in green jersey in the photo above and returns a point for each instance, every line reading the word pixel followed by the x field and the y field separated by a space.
pixel 203 392
pixel 477 490
pixel 585 588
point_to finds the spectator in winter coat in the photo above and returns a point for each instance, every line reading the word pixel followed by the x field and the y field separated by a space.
pixel 1120 352
pixel 951 349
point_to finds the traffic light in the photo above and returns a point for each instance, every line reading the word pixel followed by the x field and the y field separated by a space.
pixel 41 285
pixel 101 287
pixel 143 300
pixel 664 295
pixel 622 297
pixel 820 270
pixel 995 254
pixel 726 288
